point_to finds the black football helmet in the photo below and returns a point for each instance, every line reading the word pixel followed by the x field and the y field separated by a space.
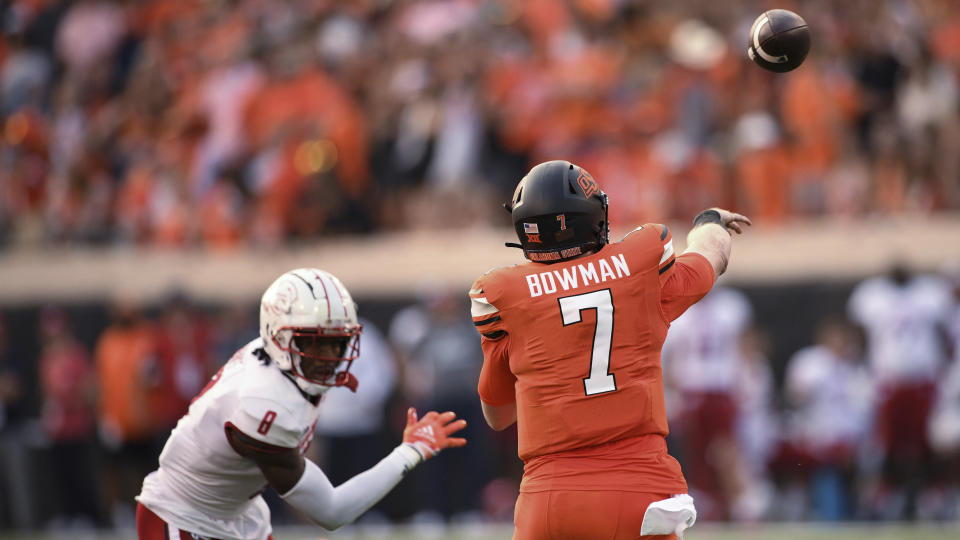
pixel 559 212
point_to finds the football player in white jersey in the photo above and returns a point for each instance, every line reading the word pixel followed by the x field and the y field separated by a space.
pixel 249 427
pixel 904 316
pixel 703 361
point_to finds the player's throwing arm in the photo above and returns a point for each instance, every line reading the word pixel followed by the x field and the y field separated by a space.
pixel 710 236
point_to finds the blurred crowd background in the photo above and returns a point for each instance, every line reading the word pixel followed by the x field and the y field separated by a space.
pixel 257 122
pixel 221 125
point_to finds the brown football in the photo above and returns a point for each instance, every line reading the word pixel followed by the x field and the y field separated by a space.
pixel 779 40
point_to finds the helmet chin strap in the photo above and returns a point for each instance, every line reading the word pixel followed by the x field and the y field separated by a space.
pixel 305 384
pixel 311 388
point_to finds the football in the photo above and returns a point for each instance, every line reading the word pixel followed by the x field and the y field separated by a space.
pixel 779 40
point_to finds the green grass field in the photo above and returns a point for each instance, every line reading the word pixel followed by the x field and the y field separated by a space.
pixel 707 531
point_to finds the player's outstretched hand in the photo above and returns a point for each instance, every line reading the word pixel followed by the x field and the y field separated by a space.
pixel 732 220
pixel 431 434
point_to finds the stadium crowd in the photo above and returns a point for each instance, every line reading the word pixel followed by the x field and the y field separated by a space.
pixel 256 122
pixel 253 123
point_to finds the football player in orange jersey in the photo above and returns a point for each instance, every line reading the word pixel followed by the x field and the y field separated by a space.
pixel 571 344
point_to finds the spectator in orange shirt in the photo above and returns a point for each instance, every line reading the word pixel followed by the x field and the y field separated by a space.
pixel 762 167
pixel 125 363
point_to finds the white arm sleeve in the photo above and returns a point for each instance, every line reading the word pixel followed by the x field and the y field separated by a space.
pixel 332 507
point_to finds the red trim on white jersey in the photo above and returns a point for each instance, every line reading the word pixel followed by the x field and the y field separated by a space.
pixel 152 527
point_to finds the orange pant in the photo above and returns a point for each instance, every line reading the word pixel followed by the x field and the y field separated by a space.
pixel 583 515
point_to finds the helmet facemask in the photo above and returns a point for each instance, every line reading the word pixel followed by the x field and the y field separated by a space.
pixel 320 356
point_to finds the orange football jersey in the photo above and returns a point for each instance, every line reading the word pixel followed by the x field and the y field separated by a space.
pixel 577 345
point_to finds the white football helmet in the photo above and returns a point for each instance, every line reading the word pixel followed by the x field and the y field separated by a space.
pixel 304 308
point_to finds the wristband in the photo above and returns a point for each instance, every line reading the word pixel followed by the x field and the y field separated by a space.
pixel 410 455
pixel 708 216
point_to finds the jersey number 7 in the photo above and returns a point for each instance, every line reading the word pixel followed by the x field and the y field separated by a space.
pixel 571 307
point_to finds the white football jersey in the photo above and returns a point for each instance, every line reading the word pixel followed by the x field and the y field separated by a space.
pixel 904 343
pixel 203 485
pixel 702 349
pixel 953 331
pixel 834 398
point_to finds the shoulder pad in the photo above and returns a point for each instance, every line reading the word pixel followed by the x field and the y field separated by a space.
pixel 664 247
pixel 494 269
pixel 639 228
pixel 486 315
pixel 273 411
pixel 487 285
pixel 655 244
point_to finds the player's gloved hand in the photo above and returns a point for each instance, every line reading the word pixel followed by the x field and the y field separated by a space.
pixel 732 221
pixel 431 434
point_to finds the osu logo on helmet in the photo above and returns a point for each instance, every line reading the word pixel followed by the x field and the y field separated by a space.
pixel 587 183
